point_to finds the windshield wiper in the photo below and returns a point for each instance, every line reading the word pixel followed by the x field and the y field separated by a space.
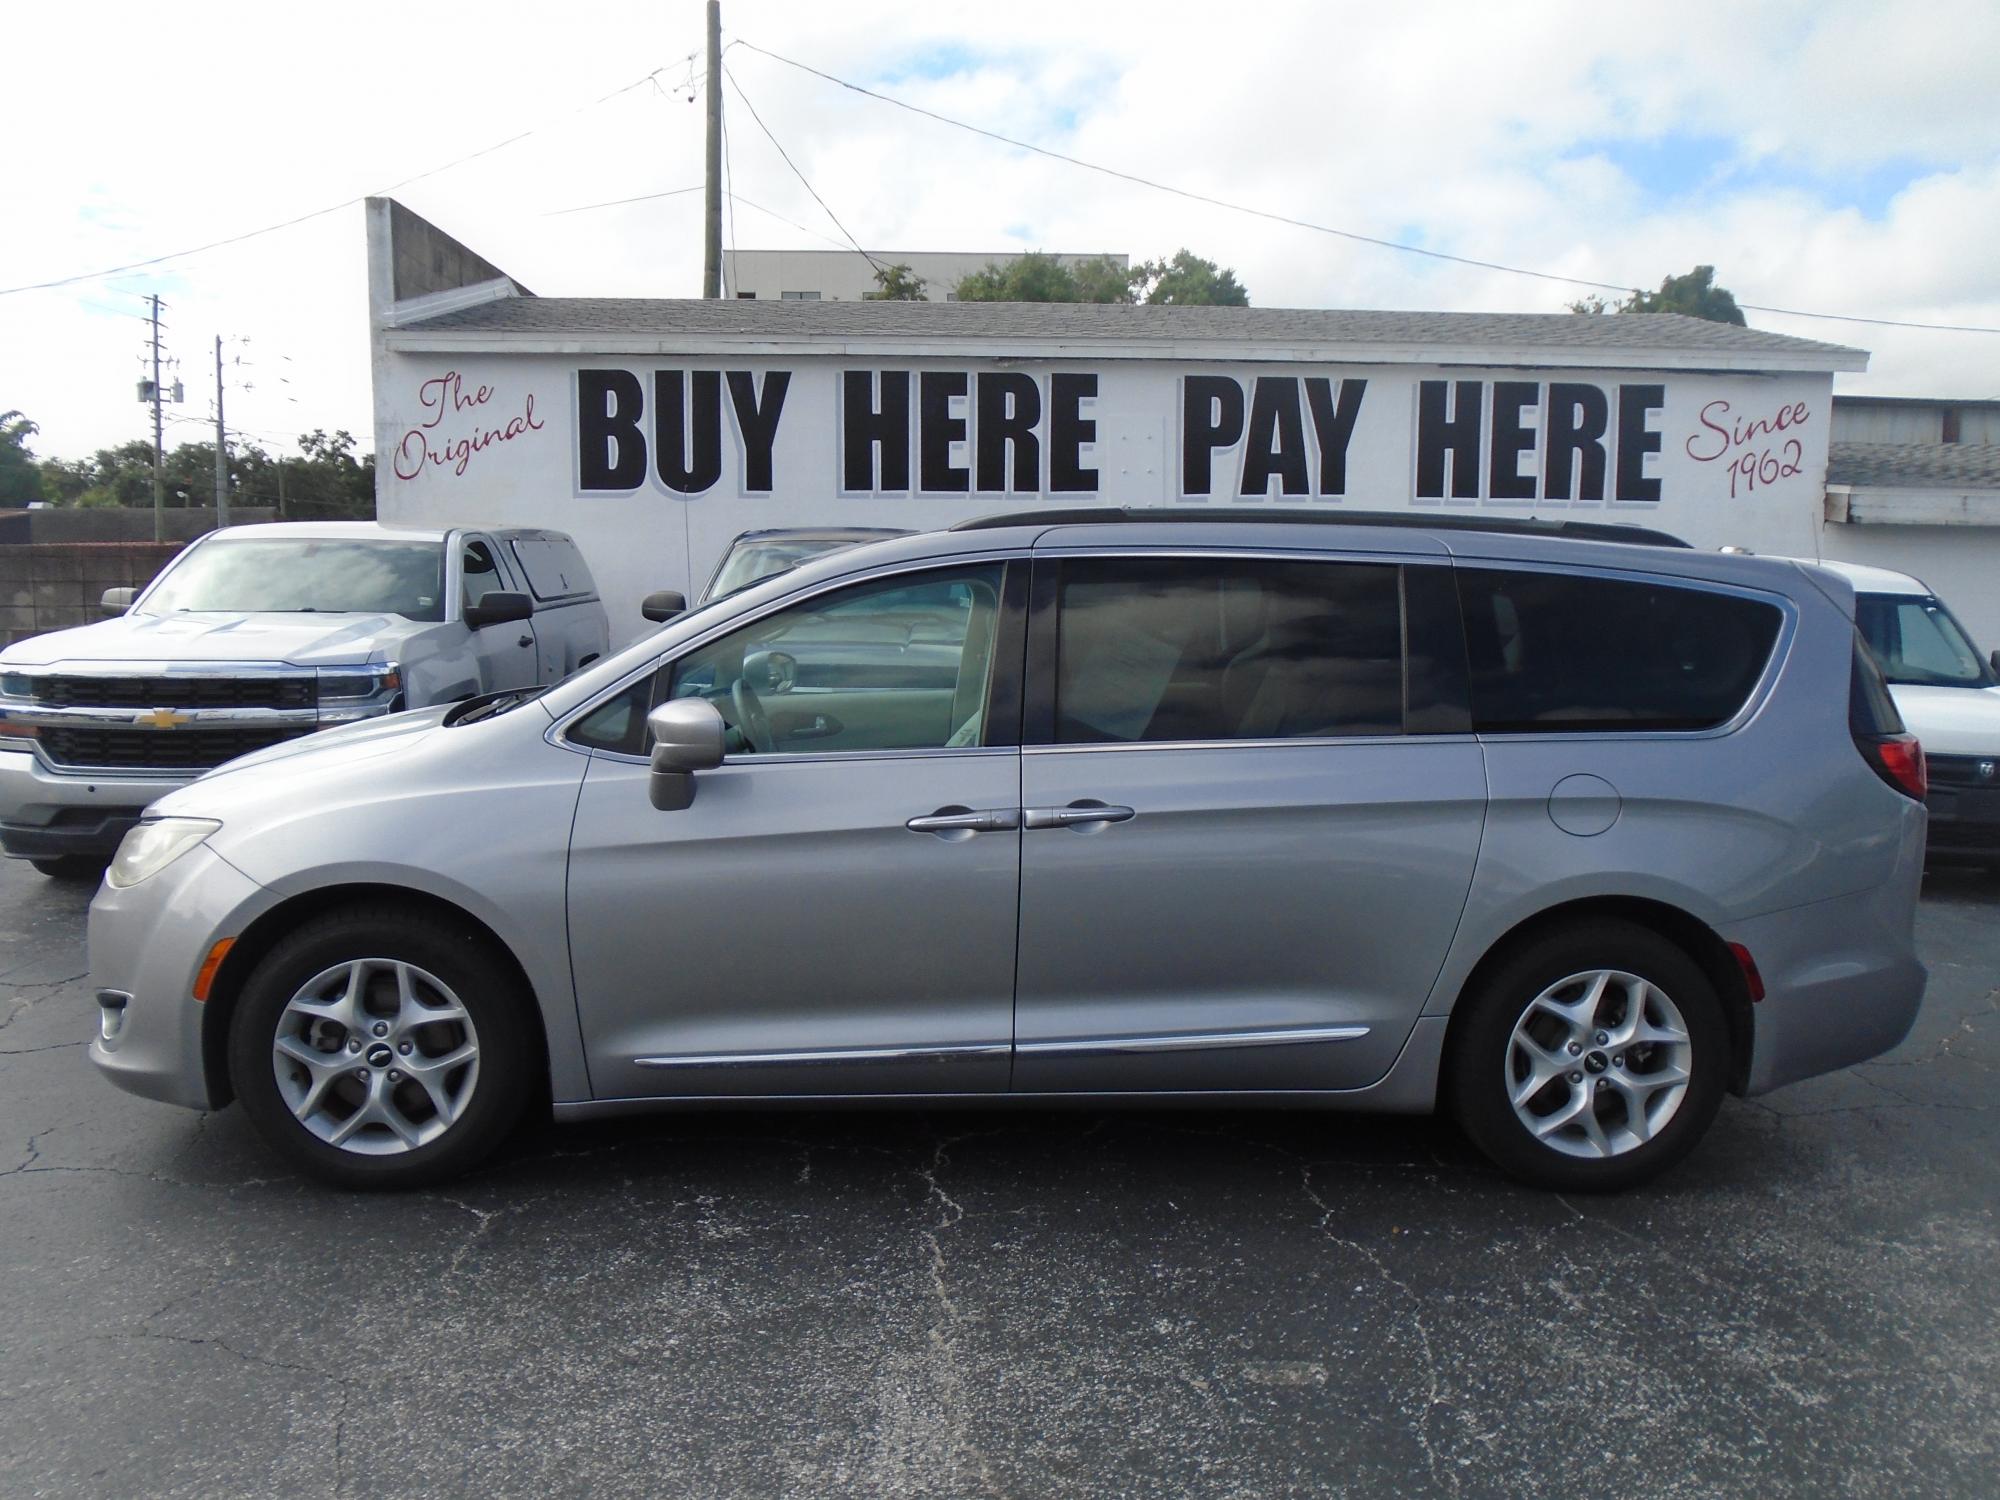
pixel 490 705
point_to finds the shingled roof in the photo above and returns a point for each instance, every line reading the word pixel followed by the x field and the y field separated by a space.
pixel 1915 466
pixel 1087 322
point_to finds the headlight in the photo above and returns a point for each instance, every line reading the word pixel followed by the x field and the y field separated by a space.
pixel 359 682
pixel 152 846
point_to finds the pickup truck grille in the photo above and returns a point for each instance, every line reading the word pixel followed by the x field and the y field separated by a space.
pixel 177 692
pixel 158 749
pixel 1963 770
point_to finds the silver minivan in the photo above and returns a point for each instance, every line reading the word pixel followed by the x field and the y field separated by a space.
pixel 1567 836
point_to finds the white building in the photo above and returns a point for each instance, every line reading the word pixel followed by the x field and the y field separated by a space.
pixel 1914 485
pixel 656 430
pixel 848 276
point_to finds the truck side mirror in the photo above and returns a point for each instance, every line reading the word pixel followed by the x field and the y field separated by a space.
pixel 664 605
pixel 1995 659
pixel 501 607
pixel 118 601
pixel 687 737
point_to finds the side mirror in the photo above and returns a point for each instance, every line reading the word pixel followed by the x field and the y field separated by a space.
pixel 118 601
pixel 498 608
pixel 1994 658
pixel 664 605
pixel 687 737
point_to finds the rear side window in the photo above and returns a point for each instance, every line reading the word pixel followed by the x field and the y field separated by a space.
pixel 554 567
pixel 1223 649
pixel 1557 652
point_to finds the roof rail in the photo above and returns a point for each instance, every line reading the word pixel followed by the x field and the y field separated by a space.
pixel 1588 531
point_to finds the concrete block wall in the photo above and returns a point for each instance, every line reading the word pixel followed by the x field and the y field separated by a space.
pixel 53 585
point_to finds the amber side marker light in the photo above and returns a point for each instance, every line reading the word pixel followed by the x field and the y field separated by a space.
pixel 1744 962
pixel 205 980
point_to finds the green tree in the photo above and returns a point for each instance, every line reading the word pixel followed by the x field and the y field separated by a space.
pixel 1188 280
pixel 897 283
pixel 1040 277
pixel 1034 277
pixel 1694 295
pixel 20 475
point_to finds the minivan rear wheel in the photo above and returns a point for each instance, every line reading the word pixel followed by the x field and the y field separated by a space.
pixel 1592 1059
pixel 381 1049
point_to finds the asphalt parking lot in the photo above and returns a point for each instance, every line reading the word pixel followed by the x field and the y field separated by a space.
pixel 1197 1304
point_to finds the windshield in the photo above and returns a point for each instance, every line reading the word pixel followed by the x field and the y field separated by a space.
pixel 753 562
pixel 293 575
pixel 1919 643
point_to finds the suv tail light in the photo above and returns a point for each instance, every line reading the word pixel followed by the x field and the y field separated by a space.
pixel 1878 729
pixel 1899 760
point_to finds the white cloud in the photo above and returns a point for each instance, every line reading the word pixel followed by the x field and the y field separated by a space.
pixel 1496 132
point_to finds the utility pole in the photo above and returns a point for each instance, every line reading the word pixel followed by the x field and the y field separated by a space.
pixel 711 257
pixel 159 447
pixel 221 452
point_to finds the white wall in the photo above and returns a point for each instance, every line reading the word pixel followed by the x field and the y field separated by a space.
pixel 501 446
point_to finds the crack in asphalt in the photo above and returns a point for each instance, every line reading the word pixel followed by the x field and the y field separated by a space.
pixel 485 1217
pixel 1434 1398
pixel 23 1006
pixel 83 1041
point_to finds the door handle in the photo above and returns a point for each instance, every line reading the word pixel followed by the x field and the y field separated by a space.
pixel 954 822
pixel 1076 815
pixel 526 640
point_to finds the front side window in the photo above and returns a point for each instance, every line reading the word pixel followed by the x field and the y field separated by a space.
pixel 482 574
pixel 1560 652
pixel 1152 649
pixel 1919 643
pixel 903 663
pixel 297 575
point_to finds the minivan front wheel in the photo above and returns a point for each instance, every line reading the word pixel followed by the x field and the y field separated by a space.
pixel 1592 1059
pixel 377 1049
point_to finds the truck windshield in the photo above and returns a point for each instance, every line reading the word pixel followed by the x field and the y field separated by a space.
pixel 299 575
pixel 1919 643
pixel 753 562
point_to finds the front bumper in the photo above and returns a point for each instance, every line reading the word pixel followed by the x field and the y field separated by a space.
pixel 147 944
pixel 1965 822
pixel 45 814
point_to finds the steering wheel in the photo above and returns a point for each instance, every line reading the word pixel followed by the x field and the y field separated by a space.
pixel 751 720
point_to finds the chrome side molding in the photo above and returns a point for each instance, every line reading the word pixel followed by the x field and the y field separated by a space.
pixel 830 1055
pixel 1291 1036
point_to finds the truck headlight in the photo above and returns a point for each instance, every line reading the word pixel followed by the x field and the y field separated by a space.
pixel 359 682
pixel 350 693
pixel 153 845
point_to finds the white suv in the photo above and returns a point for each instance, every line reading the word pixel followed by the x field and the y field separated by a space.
pixel 1949 697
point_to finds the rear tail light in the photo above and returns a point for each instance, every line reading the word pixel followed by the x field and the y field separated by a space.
pixel 1899 760
pixel 1878 729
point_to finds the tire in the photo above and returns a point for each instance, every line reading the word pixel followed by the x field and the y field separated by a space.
pixel 72 867
pixel 1625 1119
pixel 433 1001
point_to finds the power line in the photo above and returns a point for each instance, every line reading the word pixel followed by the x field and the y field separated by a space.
pixel 618 202
pixel 794 166
pixel 320 213
pixel 773 214
pixel 1297 223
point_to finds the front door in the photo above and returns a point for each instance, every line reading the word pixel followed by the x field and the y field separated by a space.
pixel 1251 829
pixel 836 912
pixel 507 653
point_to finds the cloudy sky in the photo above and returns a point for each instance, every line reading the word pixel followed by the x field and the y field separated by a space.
pixel 1838 158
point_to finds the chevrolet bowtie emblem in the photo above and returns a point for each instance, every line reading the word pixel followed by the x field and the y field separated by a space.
pixel 163 718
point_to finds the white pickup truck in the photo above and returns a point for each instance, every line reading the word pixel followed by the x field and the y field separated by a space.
pixel 258 634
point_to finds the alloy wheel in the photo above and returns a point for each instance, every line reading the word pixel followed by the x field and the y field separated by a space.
pixel 375 1056
pixel 1598 1063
